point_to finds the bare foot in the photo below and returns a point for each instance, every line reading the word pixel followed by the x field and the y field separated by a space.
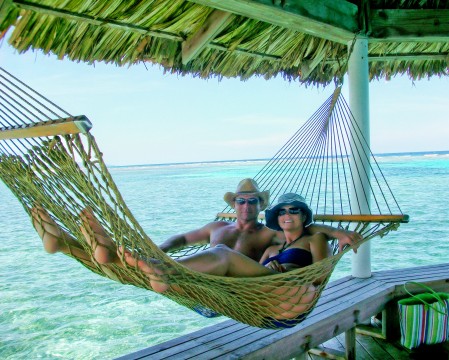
pixel 51 234
pixel 104 249
pixel 154 274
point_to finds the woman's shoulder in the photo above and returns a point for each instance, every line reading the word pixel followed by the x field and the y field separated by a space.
pixel 318 237
pixel 272 248
pixel 315 239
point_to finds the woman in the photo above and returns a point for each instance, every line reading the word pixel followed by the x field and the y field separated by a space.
pixel 292 215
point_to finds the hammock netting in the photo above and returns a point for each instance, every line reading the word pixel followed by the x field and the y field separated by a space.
pixel 48 158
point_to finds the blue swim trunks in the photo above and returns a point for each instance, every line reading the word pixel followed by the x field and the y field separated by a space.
pixel 269 323
pixel 206 312
pixel 272 323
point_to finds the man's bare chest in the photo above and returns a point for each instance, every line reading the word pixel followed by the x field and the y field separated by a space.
pixel 250 243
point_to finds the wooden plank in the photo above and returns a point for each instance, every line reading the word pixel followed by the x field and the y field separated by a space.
pixel 396 352
pixel 437 284
pixel 229 325
pixel 334 20
pixel 211 346
pixel 215 22
pixel 425 276
pixel 361 352
pixel 72 125
pixel 331 349
pixel 350 294
pixel 350 344
pixel 443 56
pixel 370 330
pixel 237 345
pixel 373 348
pixel 439 275
pixel 385 274
pixel 200 341
pixel 312 333
pixel 415 25
pixel 337 218
pixel 403 276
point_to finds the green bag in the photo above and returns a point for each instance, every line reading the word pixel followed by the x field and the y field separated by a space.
pixel 424 317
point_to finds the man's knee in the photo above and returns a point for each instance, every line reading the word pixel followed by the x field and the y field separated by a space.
pixel 222 252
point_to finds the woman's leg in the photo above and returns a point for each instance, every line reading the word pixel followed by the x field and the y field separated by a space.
pixel 224 261
pixel 220 260
pixel 104 249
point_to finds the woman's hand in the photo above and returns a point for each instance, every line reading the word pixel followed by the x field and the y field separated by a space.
pixel 347 237
pixel 274 265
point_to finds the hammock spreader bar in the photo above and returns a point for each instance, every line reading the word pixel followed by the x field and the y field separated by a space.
pixel 67 126
pixel 65 174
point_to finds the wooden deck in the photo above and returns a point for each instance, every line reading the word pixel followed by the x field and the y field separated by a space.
pixel 375 348
pixel 344 304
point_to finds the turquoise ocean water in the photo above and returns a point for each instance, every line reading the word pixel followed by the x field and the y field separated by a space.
pixel 51 307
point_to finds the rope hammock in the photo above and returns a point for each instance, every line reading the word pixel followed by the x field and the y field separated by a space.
pixel 49 158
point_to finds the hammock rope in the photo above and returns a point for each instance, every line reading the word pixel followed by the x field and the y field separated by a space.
pixel 48 158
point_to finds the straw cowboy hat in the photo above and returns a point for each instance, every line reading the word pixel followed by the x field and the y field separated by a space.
pixel 248 187
pixel 295 200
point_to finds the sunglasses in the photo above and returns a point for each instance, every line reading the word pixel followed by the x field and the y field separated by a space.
pixel 250 201
pixel 291 211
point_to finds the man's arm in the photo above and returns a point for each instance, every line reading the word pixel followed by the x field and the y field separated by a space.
pixel 197 236
pixel 344 237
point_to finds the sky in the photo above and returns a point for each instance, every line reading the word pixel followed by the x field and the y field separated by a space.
pixel 142 116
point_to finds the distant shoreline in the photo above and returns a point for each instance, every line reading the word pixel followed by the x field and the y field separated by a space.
pixel 414 153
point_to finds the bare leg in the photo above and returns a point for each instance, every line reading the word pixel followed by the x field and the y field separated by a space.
pixel 224 261
pixel 53 237
pixel 104 249
pixel 220 260
pixel 149 268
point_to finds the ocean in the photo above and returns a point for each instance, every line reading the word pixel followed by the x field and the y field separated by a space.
pixel 53 308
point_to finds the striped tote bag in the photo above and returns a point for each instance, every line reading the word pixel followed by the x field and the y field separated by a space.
pixel 424 318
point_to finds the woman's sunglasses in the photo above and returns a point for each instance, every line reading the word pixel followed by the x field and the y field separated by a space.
pixel 291 211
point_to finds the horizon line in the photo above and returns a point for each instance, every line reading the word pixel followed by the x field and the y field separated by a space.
pixel 264 159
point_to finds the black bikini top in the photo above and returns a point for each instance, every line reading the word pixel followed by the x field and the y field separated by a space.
pixel 295 256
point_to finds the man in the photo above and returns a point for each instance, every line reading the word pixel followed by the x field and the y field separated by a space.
pixel 247 235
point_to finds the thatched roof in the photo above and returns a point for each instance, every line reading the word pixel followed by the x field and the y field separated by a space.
pixel 297 39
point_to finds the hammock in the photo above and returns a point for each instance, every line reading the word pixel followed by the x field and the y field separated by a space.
pixel 49 158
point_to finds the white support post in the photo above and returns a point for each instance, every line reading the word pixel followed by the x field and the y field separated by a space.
pixel 359 103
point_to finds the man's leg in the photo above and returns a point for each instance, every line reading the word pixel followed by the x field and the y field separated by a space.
pixel 53 237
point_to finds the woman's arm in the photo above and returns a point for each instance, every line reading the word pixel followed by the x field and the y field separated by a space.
pixel 274 264
pixel 320 249
pixel 344 237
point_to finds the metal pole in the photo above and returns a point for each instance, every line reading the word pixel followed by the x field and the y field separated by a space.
pixel 359 104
